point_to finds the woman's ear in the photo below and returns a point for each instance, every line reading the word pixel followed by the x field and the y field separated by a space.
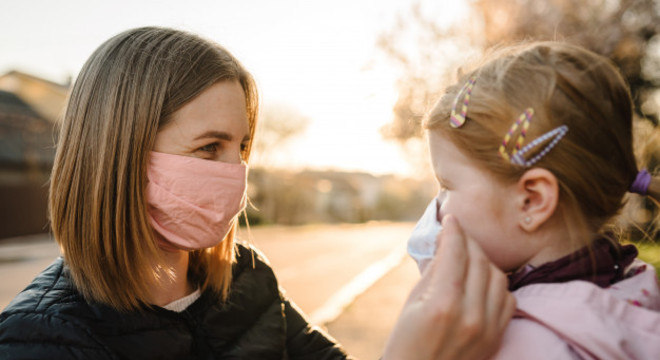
pixel 537 198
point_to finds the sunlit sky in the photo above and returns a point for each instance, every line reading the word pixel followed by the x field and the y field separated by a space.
pixel 317 56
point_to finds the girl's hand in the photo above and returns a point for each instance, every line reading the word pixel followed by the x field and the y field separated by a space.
pixel 458 310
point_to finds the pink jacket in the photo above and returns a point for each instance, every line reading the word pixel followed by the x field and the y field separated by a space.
pixel 579 320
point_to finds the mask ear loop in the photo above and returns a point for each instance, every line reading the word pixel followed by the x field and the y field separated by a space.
pixel 457 120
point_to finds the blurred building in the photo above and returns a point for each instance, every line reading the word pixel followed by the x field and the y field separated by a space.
pixel 29 107
pixel 294 198
pixel 45 97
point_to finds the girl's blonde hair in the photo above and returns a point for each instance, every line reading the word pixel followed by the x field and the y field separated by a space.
pixel 565 85
pixel 126 91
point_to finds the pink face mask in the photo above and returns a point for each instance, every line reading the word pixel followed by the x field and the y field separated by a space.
pixel 192 203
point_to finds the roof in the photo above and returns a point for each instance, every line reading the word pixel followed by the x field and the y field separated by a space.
pixel 26 139
pixel 24 75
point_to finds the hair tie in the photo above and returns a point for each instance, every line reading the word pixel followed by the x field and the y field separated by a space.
pixel 641 183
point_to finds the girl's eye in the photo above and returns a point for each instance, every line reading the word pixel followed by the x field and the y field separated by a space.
pixel 210 148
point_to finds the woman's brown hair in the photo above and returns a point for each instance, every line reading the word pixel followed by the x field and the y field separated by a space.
pixel 565 85
pixel 127 90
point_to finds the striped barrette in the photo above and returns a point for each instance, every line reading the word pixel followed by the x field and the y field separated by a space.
pixel 457 120
pixel 517 156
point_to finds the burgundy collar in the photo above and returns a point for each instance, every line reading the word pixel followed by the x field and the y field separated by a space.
pixel 603 267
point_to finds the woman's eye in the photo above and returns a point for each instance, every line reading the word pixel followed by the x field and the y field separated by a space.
pixel 244 150
pixel 210 148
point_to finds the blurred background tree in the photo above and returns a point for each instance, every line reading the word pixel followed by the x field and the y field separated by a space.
pixel 279 124
pixel 428 54
pixel 280 195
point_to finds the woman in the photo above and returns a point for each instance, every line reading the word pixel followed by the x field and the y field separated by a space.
pixel 149 177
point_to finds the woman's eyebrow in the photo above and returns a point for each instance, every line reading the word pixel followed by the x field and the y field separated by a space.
pixel 215 134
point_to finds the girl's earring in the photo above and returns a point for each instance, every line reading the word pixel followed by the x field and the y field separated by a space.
pixel 527 220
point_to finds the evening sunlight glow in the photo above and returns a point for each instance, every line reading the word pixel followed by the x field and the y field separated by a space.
pixel 317 57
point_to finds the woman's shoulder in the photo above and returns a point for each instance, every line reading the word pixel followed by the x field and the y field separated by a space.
pixel 41 321
pixel 51 290
pixel 276 320
pixel 252 273
pixel 246 253
pixel 251 263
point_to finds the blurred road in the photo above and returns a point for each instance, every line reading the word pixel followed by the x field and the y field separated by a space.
pixel 21 259
pixel 313 263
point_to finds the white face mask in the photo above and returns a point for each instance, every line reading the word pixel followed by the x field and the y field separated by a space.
pixel 421 245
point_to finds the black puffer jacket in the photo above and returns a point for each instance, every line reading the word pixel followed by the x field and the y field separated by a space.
pixel 51 320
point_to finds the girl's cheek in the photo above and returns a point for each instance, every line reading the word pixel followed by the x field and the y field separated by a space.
pixel 445 205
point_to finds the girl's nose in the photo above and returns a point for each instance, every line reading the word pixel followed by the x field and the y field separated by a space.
pixel 438 213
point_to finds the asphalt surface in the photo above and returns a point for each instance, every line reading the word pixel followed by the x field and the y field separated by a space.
pixel 311 262
pixel 351 280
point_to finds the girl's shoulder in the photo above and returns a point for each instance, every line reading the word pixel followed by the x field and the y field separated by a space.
pixel 621 321
pixel 640 286
pixel 525 338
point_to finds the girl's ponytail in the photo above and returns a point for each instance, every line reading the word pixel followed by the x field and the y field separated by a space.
pixel 647 185
pixel 654 189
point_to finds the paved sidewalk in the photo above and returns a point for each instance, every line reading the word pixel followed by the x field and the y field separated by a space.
pixel 364 326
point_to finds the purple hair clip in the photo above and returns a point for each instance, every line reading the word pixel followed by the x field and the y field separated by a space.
pixel 555 134
pixel 641 183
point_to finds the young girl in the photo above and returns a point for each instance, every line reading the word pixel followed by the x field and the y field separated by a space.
pixel 534 155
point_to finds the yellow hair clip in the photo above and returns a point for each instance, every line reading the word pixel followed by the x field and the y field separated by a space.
pixel 457 120
pixel 551 137
pixel 522 121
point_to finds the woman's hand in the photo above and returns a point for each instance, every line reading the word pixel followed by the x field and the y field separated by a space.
pixel 458 310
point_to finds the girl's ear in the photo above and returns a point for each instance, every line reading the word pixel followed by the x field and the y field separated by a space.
pixel 537 198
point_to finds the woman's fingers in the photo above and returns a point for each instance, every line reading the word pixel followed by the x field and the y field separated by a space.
pixel 498 307
pixel 459 307
pixel 450 263
pixel 477 286
pixel 508 308
pixel 487 306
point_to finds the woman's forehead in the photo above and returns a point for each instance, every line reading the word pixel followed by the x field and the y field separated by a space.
pixel 219 109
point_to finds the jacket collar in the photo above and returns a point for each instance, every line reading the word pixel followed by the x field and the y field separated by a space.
pixel 602 263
